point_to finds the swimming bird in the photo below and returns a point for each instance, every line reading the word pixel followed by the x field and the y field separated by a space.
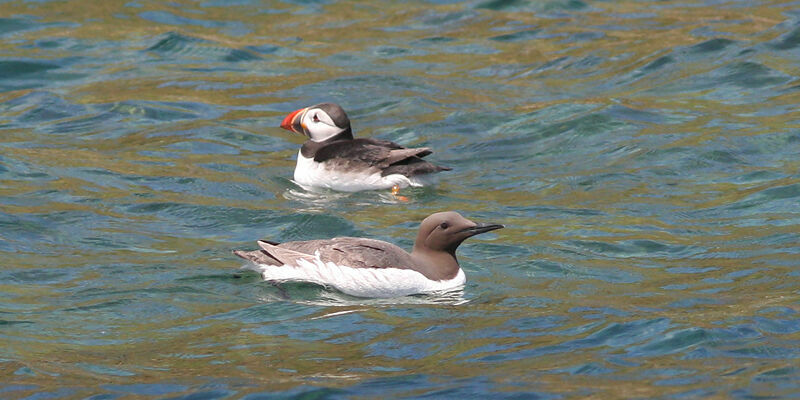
pixel 373 268
pixel 331 158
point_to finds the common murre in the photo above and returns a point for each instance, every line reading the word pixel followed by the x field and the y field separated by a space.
pixel 331 158
pixel 373 268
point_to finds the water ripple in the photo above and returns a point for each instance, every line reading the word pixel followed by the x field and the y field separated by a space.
pixel 642 157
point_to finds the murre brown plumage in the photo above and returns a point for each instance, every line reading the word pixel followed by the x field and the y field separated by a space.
pixel 373 268
pixel 332 158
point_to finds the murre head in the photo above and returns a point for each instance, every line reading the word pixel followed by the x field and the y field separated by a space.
pixel 438 238
pixel 319 122
pixel 444 231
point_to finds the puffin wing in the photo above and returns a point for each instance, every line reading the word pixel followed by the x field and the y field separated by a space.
pixel 372 152
pixel 398 155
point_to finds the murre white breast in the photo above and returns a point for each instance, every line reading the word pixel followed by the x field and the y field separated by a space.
pixel 373 268
pixel 333 159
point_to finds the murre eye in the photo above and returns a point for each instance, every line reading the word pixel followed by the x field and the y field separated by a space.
pixel 444 225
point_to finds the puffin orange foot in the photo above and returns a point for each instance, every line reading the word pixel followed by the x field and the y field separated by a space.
pixel 395 193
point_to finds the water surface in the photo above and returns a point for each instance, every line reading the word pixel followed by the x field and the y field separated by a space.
pixel 643 156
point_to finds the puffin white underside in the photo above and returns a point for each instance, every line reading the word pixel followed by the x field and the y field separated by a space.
pixel 309 173
pixel 360 282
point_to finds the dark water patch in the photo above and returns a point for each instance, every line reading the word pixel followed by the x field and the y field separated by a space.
pixel 677 154
pixel 338 329
pixel 320 226
pixel 658 64
pixel 726 82
pixel 48 108
pixel 623 334
pixel 599 335
pixel 479 123
pixel 749 74
pixel 235 28
pixel 213 218
pixel 57 43
pixel 401 350
pixel 591 369
pixel 176 45
pixel 672 342
pixel 352 92
pixel 534 326
pixel 777 326
pixel 586 37
pixel 690 270
pixel 146 305
pixel 87 124
pixel 492 250
pixel 5 322
pixel 18 105
pixel 721 156
pixel 634 248
pixel 517 36
pixel 24 74
pixel 27 233
pixel 786 41
pixel 778 374
pixel 433 40
pixel 711 46
pixel 549 269
pixel 11 25
pixel 266 312
pixel 8 388
pixel 105 370
pixel 525 136
pixel 38 276
pixel 636 115
pixel 301 392
pixel 435 20
pixel 203 147
pixel 201 85
pixel 531 6
pixel 143 389
pixel 503 5
pixel 393 51
pixel 206 395
pixel 692 302
pixel 764 352
pixel 445 387
pixel 104 305
pixel 683 58
pixel 582 67
pixel 771 199
pixel 506 70
pixel 557 212
pixel 492 349
pixel 164 111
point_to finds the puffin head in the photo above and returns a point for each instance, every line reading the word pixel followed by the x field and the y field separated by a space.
pixel 318 122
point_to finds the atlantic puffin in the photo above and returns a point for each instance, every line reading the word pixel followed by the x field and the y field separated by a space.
pixel 373 268
pixel 331 158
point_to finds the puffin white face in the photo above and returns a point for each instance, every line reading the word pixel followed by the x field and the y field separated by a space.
pixel 319 122
pixel 318 125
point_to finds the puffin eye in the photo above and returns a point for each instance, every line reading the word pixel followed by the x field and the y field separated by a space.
pixel 315 118
pixel 444 225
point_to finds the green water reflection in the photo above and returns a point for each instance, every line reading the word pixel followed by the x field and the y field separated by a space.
pixel 641 154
